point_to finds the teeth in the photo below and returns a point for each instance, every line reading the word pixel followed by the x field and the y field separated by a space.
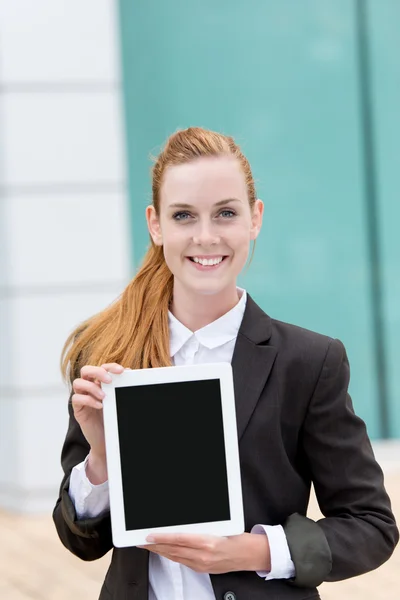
pixel 208 262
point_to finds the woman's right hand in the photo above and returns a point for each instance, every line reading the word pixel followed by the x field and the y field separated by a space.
pixel 87 403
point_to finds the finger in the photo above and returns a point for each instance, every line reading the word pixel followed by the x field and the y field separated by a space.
pixel 83 386
pixel 92 373
pixel 84 400
pixel 150 547
pixel 113 368
pixel 177 552
pixel 184 539
pixel 190 557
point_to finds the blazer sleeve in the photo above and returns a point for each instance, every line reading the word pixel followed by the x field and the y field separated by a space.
pixel 358 532
pixel 88 539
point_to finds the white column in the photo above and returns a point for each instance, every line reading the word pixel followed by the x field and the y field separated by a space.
pixel 64 231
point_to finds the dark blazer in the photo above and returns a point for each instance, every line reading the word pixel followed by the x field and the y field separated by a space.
pixel 296 425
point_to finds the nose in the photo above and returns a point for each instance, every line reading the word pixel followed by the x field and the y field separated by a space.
pixel 205 235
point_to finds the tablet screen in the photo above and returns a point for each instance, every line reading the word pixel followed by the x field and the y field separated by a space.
pixel 172 453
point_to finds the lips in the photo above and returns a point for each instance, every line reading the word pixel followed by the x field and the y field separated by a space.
pixel 211 257
pixel 220 258
pixel 212 267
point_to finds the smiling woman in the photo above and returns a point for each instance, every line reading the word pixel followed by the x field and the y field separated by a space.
pixel 222 216
pixel 295 419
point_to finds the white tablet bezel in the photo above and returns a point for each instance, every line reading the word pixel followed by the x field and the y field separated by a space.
pixel 221 371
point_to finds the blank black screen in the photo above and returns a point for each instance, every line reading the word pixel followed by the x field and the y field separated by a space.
pixel 172 454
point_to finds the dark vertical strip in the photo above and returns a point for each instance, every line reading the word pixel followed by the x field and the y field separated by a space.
pixel 371 198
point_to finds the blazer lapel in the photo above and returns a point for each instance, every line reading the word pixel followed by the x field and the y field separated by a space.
pixel 252 361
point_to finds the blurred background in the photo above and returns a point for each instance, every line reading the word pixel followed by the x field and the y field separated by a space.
pixel 89 90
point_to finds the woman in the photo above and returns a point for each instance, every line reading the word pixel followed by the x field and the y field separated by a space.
pixel 295 419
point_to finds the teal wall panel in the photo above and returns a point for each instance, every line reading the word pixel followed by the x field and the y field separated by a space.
pixel 281 77
pixel 384 36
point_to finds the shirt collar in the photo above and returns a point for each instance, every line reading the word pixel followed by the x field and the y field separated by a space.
pixel 214 334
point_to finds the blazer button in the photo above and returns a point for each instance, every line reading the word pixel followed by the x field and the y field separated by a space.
pixel 229 596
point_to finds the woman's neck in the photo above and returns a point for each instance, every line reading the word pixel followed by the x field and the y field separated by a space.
pixel 198 310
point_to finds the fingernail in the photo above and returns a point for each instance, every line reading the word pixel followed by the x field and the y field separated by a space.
pixel 150 538
pixel 108 379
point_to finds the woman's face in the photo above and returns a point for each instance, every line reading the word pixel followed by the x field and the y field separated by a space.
pixel 205 217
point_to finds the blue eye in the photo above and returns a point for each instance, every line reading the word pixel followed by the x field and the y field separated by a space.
pixel 231 212
pixel 183 215
pixel 179 214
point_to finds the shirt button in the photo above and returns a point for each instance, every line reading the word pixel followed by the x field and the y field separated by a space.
pixel 229 596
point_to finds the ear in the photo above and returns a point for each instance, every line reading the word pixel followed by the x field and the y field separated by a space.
pixel 153 224
pixel 256 219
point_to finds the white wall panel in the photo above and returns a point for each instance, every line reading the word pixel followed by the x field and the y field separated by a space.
pixel 40 443
pixel 64 231
pixel 7 342
pixel 35 458
pixel 61 138
pixel 58 40
pixel 4 258
pixel 39 327
pixel 9 446
pixel 61 239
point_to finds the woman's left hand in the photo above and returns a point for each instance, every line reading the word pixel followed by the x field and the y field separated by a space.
pixel 213 554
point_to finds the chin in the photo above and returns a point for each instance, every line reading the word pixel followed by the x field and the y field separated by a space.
pixel 207 289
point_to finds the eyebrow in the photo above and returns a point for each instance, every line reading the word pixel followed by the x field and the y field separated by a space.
pixel 219 203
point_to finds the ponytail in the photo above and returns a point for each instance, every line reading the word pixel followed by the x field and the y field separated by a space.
pixel 133 331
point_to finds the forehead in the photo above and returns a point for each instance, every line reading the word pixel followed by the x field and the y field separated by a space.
pixel 204 179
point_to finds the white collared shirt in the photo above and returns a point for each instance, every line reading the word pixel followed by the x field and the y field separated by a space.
pixel 169 580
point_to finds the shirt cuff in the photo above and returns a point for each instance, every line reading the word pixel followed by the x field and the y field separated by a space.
pixel 282 566
pixel 89 500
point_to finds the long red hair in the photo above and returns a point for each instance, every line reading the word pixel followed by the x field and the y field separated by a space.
pixel 133 331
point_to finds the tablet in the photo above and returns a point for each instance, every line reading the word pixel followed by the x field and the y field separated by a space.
pixel 172 452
